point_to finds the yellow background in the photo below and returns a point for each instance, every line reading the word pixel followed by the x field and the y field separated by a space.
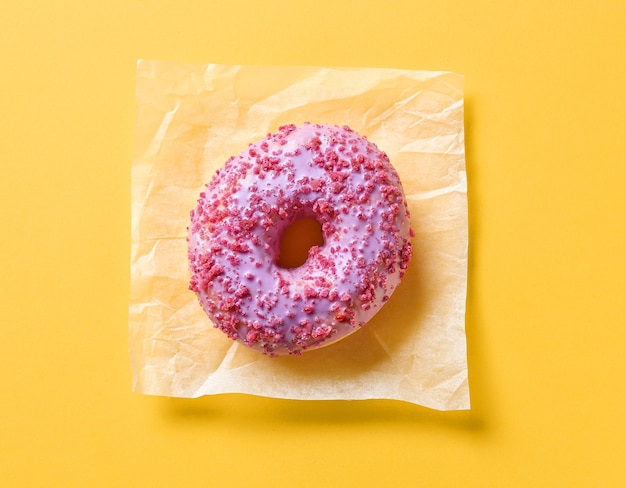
pixel 546 322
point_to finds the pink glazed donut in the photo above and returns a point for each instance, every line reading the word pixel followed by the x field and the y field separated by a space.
pixel 323 172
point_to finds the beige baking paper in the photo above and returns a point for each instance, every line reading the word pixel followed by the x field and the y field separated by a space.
pixel 190 119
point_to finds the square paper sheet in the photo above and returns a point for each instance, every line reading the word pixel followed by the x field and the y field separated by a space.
pixel 190 119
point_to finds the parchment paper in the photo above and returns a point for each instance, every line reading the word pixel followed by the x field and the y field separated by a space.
pixel 190 119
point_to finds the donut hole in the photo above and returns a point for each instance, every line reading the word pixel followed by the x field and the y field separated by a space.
pixel 299 236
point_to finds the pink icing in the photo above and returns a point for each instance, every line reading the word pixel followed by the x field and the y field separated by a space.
pixel 323 172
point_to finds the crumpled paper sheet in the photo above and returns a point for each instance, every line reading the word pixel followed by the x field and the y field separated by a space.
pixel 190 119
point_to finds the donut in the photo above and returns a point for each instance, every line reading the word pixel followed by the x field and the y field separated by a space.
pixel 322 172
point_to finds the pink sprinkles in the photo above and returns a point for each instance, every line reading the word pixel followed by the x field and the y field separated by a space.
pixel 316 171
